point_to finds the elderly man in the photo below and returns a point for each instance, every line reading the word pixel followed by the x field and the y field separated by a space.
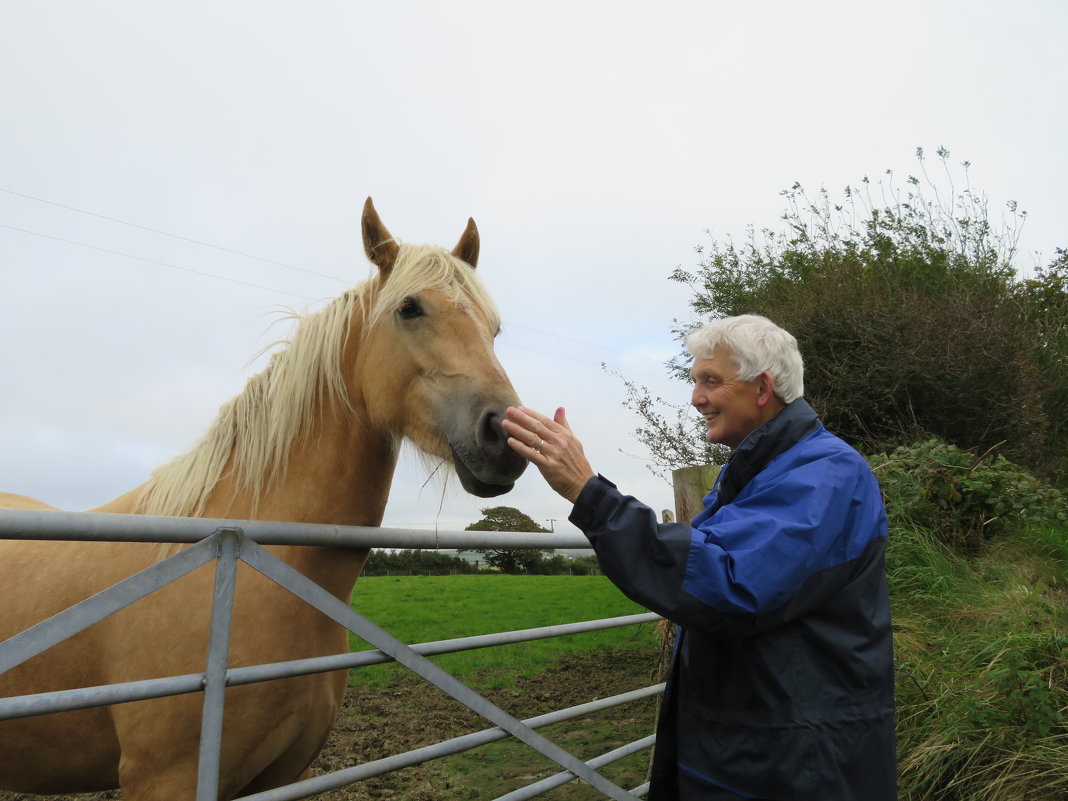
pixel 782 682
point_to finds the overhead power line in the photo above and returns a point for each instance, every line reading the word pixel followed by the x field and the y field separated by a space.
pixel 154 261
pixel 175 236
pixel 247 256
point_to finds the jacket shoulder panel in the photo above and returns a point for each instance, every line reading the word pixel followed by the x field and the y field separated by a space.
pixel 813 507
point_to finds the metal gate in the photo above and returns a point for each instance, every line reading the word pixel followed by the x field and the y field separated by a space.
pixel 228 541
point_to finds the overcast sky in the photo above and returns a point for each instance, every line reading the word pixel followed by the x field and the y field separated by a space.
pixel 593 143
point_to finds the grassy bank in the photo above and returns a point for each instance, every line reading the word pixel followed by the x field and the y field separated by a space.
pixel 978 571
pixel 982 664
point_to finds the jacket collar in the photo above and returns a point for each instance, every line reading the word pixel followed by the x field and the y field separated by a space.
pixel 776 436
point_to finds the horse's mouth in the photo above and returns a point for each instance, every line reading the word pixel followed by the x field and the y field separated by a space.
pixel 473 484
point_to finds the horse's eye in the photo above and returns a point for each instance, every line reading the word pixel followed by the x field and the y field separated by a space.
pixel 410 309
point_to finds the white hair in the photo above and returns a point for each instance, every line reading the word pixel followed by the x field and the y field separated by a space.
pixel 756 344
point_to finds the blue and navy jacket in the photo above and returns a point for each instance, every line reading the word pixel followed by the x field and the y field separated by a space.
pixel 782 683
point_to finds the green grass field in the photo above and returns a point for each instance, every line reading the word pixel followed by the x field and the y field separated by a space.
pixel 425 608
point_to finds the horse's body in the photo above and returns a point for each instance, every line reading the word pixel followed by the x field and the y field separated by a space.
pixel 314 438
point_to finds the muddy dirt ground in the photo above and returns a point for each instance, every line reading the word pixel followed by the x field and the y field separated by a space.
pixel 411 713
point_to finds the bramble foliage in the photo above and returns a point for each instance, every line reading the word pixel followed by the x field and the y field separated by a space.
pixel 1022 677
pixel 909 316
pixel 966 499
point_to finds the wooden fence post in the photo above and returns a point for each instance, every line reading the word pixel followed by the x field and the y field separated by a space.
pixel 691 484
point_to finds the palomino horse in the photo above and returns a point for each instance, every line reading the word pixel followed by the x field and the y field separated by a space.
pixel 313 438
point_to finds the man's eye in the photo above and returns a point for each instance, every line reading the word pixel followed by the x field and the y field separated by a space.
pixel 409 309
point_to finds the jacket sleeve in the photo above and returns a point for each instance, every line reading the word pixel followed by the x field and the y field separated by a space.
pixel 760 560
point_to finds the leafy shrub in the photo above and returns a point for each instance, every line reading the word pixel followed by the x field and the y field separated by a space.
pixel 965 498
pixel 1026 678
pixel 1045 303
pixel 910 318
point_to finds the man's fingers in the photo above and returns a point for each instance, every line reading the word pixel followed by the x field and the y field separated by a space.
pixel 528 418
pixel 527 425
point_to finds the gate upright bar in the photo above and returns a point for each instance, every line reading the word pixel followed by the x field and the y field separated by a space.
pixel 222 612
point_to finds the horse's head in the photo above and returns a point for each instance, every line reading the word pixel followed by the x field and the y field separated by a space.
pixel 425 367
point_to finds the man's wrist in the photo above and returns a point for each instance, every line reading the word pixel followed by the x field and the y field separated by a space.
pixel 573 492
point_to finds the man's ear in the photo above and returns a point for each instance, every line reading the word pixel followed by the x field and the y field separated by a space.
pixel 765 388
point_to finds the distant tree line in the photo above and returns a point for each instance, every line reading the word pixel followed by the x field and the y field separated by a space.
pixel 412 562
pixel 418 562
pixel 513 561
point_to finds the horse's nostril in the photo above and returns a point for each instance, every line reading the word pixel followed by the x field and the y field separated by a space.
pixel 490 431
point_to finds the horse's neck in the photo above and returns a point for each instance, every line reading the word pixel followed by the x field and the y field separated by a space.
pixel 339 473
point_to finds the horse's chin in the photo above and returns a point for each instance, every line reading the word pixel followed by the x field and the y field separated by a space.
pixel 482 490
pixel 476 486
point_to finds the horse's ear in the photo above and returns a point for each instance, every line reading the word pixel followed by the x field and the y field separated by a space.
pixel 467 247
pixel 378 243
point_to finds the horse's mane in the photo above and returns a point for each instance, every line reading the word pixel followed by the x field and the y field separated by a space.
pixel 259 427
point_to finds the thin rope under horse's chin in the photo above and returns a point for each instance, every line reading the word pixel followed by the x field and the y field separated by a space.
pixel 444 489
pixel 441 503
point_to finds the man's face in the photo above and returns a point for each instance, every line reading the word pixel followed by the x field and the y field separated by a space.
pixel 729 406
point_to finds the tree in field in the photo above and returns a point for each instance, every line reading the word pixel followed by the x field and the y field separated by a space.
pixel 510 560
pixel 910 318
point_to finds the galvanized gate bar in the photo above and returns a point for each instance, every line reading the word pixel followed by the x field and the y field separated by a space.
pixel 356 659
pixel 33 524
pixel 457 745
pixel 222 612
pixel 526 635
pixel 559 779
pixel 31 642
pixel 23 706
pixel 341 612
pixel 26 706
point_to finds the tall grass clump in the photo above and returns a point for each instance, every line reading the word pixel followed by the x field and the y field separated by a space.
pixel 978 571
